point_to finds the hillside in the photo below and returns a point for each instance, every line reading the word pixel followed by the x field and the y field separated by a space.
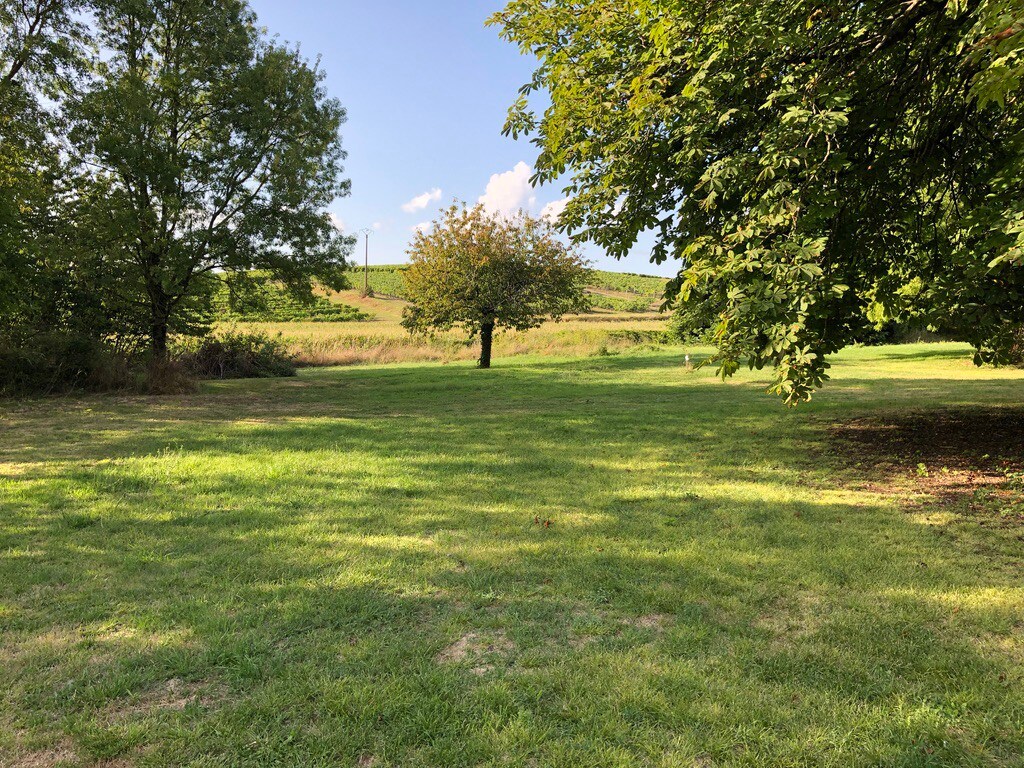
pixel 614 291
pixel 268 302
pixel 617 292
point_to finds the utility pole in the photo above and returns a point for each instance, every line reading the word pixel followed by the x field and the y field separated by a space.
pixel 366 262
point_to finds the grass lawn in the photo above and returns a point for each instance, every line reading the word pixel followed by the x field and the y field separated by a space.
pixel 603 561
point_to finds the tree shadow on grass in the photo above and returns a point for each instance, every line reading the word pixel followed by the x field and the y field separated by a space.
pixel 922 352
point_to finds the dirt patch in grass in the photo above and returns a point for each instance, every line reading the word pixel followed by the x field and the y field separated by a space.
pixel 968 438
pixel 792 620
pixel 653 621
pixel 59 754
pixel 479 649
pixel 169 696
pixel 971 459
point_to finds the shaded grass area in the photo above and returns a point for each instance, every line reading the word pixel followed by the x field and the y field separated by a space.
pixel 352 568
pixel 950 465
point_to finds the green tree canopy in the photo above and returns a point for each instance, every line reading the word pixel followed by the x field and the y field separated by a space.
pixel 483 271
pixel 803 160
pixel 42 50
pixel 207 149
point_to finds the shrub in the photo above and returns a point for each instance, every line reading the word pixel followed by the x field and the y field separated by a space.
pixel 636 336
pixel 166 377
pixel 59 362
pixel 238 355
pixel 897 332
pixel 693 322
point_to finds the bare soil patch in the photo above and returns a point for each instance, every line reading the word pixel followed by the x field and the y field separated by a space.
pixel 970 438
pixel 170 696
pixel 46 758
pixel 481 650
pixel 654 621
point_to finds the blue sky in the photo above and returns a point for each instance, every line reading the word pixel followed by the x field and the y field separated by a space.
pixel 426 86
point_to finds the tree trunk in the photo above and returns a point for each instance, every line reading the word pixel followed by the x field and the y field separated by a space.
pixel 486 337
pixel 158 338
pixel 159 319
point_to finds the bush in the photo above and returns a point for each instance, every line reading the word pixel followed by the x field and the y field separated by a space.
pixel 166 377
pixel 634 336
pixel 894 332
pixel 59 362
pixel 1017 348
pixel 693 322
pixel 237 355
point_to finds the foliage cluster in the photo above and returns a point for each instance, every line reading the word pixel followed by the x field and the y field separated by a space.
pixel 59 362
pixel 389 280
pixel 233 354
pixel 145 148
pixel 802 161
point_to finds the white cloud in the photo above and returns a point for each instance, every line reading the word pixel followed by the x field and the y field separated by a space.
pixel 423 226
pixel 337 222
pixel 508 192
pixel 554 209
pixel 377 226
pixel 420 202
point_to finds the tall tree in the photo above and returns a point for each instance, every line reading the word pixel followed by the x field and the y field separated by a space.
pixel 41 43
pixel 484 272
pixel 42 48
pixel 211 151
pixel 803 160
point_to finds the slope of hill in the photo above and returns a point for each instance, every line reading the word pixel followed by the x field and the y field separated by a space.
pixel 615 291
pixel 269 303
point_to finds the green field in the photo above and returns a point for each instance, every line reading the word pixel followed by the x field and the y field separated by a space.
pixel 602 561
pixel 628 282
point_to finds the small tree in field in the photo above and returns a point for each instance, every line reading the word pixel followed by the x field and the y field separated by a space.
pixel 482 271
